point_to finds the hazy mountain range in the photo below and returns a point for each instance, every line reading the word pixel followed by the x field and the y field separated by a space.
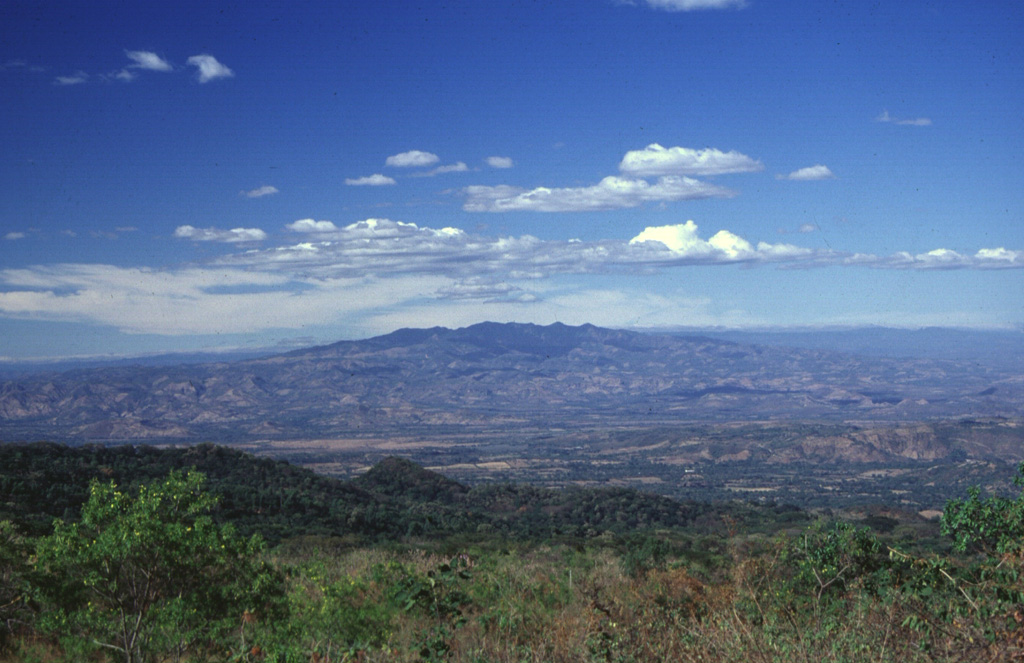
pixel 500 375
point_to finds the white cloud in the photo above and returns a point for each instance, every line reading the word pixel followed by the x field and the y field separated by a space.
pixel 311 226
pixel 693 5
pixel 75 79
pixel 259 192
pixel 380 271
pixel 412 158
pixel 384 247
pixel 370 180
pixel 217 235
pixel 807 228
pixel 913 122
pixel 209 68
pixel 14 235
pixel 656 160
pixel 941 259
pixel 148 60
pixel 999 257
pixel 458 167
pixel 486 291
pixel 500 162
pixel 197 301
pixel 610 193
pixel 683 242
pixel 680 238
pixel 816 172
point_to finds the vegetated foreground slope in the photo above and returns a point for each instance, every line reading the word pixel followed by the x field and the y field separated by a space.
pixel 642 579
pixel 394 499
pixel 491 376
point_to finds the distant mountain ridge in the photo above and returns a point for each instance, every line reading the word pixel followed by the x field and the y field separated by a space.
pixel 493 374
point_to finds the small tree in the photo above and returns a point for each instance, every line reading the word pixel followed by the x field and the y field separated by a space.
pixel 993 526
pixel 149 573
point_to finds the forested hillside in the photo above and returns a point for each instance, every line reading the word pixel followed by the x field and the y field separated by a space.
pixel 395 499
pixel 141 566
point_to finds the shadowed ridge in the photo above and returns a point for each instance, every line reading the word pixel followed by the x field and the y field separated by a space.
pixel 399 338
pixel 404 479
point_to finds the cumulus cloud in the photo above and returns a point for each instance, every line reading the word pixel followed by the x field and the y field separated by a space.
pixel 259 192
pixel 75 79
pixel 656 160
pixel 671 167
pixel 217 235
pixel 370 180
pixel 693 5
pixel 209 68
pixel 1000 256
pixel 610 193
pixel 810 173
pixel 683 241
pixel 148 60
pixel 947 259
pixel 499 162
pixel 807 228
pixel 912 122
pixel 311 226
pixel 412 158
pixel 383 271
pixel 385 247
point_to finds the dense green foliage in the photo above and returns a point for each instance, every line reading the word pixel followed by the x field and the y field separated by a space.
pixel 994 525
pixel 395 499
pixel 147 574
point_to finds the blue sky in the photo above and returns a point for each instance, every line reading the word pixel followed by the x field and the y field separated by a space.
pixel 197 176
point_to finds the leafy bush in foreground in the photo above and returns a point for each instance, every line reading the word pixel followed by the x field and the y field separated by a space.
pixel 146 576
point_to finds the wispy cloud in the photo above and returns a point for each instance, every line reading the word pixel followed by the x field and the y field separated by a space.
pixel 694 5
pixel 376 179
pixel 218 235
pixel 412 158
pixel 384 247
pixel 610 193
pixel 656 160
pixel 380 272
pixel 259 192
pixel 670 166
pixel 912 122
pixel 810 173
pixel 209 68
pixel 148 60
pixel 189 301
pixel 499 162
pixel 21 65
pixel 11 236
pixel 458 167
pixel 77 78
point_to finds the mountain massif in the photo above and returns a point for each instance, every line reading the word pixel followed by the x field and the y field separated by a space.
pixel 496 375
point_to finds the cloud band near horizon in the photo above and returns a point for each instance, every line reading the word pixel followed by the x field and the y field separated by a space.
pixel 368 267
